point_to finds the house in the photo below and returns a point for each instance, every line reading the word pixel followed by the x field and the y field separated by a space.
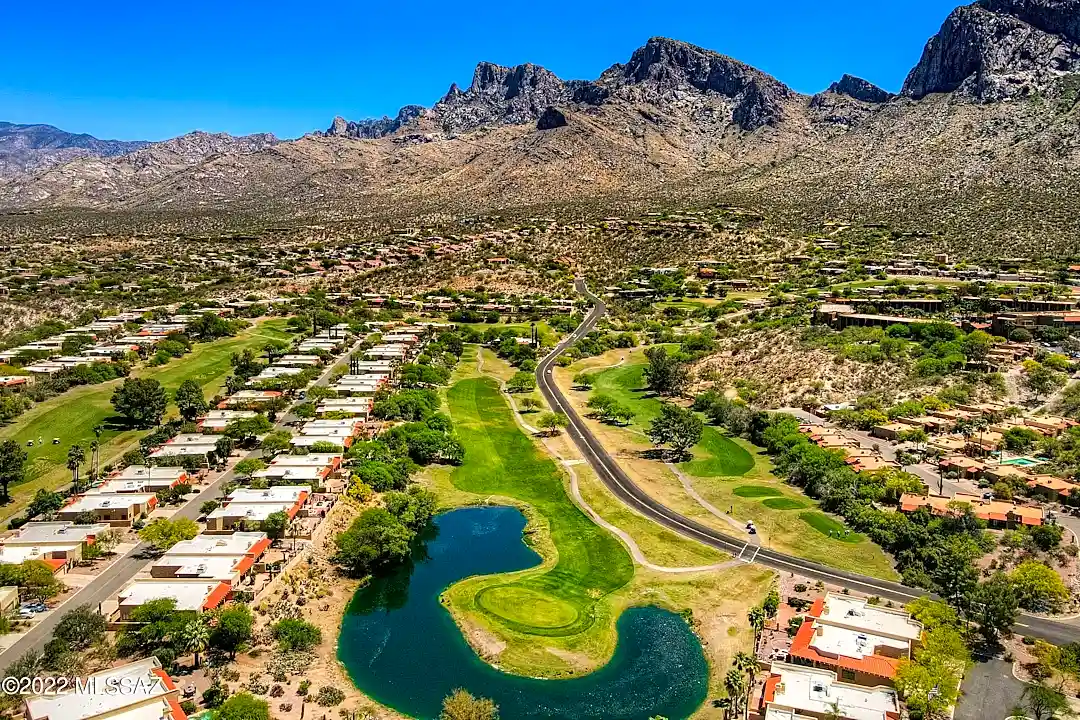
pixel 148 694
pixel 1051 488
pixel 217 420
pixel 248 508
pixel 355 406
pixel 799 693
pixel 56 543
pixel 190 595
pixel 146 479
pixel 864 643
pixel 964 466
pixel 890 431
pixel 118 509
pixel 995 512
pixel 225 558
pixel 244 398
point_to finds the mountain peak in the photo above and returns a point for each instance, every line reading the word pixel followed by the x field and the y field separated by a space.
pixel 860 89
pixel 996 49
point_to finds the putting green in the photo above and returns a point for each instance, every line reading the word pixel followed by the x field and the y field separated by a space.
pixel 827 526
pixel 528 610
pixel 756 491
pixel 565 597
pixel 784 503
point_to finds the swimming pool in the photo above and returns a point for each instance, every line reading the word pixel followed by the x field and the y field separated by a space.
pixel 1023 461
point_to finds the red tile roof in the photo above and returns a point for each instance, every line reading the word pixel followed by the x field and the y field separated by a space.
pixel 770 688
pixel 176 711
pixel 878 665
pixel 217 596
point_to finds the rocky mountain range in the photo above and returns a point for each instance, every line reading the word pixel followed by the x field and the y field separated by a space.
pixel 982 140
pixel 29 148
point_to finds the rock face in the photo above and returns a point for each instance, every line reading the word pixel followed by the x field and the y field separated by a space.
pixel 28 148
pixel 550 119
pixel 372 128
pixel 663 72
pixel 997 49
pixel 860 89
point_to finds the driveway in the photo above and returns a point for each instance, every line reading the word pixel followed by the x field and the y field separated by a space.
pixel 989 691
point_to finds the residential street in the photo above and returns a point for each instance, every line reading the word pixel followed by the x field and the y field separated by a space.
pixel 115 577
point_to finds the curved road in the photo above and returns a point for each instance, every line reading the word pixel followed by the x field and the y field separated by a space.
pixel 620 484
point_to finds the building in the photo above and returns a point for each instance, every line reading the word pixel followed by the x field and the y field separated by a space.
pixel 863 643
pixel 225 558
pixel 995 512
pixel 141 478
pixel 246 509
pixel 119 509
pixel 190 595
pixel 799 693
pixel 56 543
pixel 217 420
pixel 1051 488
pixel 149 694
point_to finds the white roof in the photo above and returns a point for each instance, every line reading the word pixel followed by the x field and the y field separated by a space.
pixel 251 511
pixel 144 697
pixel 189 594
pixel 15 554
pixel 320 459
pixel 228 415
pixel 194 439
pixel 107 501
pixel 345 424
pixel 173 449
pixel 53 533
pixel 278 493
pixel 238 543
pixel 309 440
pixel 142 472
pixel 293 472
pixel 857 614
pixel 203 567
pixel 818 691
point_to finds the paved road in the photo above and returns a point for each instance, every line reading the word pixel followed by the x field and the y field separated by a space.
pixel 620 484
pixel 106 586
pixel 990 691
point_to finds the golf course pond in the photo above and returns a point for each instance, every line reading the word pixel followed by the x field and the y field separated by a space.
pixel 403 649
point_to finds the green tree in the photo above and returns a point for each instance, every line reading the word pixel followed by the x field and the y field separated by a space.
pixel 81 628
pixel 275 525
pixel 521 381
pixel 195 637
pixel 275 442
pixel 141 400
pixel 243 706
pixel 994 607
pixel 461 705
pixel 552 422
pixel 676 427
pixel 1044 703
pixel 1041 380
pixel 1038 587
pixel 190 401
pixel 163 533
pixel 248 467
pixel 233 629
pixel 75 458
pixel 414 508
pixel 584 380
pixel 667 373
pixel 294 634
pixel 12 465
pixel 375 540
pixel 45 503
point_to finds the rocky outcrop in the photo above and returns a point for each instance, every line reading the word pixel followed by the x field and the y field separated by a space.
pixel 998 49
pixel 374 128
pixel 860 89
pixel 501 95
pixel 550 119
pixel 663 69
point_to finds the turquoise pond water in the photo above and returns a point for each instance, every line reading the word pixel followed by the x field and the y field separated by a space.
pixel 402 648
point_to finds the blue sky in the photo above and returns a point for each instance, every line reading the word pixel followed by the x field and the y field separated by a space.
pixel 153 70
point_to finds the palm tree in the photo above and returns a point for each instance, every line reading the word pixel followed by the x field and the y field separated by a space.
pixel 75 457
pixel 735 684
pixel 757 618
pixel 94 447
pixel 194 637
pixel 746 663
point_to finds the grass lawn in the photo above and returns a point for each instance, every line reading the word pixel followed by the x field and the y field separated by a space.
pixel 564 601
pixel 73 415
pixel 729 472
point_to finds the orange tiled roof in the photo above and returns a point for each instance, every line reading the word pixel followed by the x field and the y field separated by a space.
pixel 174 706
pixel 770 688
pixel 878 665
pixel 983 509
pixel 217 596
